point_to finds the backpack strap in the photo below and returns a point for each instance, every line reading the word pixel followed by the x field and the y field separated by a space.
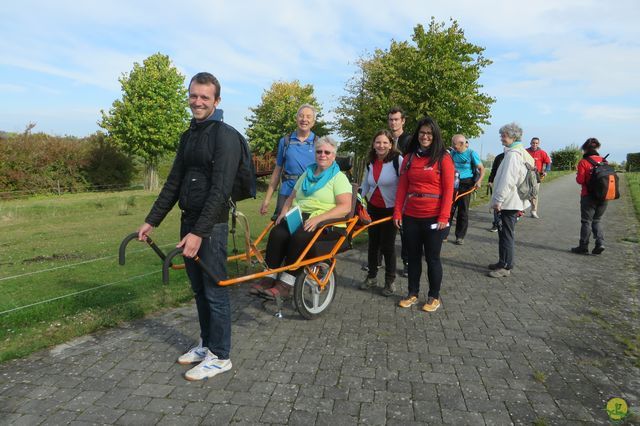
pixel 396 165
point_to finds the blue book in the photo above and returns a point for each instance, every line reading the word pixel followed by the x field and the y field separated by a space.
pixel 294 219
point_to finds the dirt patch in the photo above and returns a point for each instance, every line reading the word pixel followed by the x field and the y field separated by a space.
pixel 54 257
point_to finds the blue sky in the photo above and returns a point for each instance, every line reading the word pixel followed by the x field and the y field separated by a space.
pixel 564 70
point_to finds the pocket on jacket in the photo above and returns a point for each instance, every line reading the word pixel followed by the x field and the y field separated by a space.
pixel 194 190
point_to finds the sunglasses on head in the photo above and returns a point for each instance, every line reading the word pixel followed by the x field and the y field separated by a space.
pixel 323 151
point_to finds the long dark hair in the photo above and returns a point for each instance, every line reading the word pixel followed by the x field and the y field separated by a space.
pixel 436 150
pixel 393 152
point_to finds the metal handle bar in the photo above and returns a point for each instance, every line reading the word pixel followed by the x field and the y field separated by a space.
pixel 156 249
pixel 167 264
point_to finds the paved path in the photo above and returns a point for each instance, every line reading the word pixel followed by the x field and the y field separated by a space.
pixel 540 345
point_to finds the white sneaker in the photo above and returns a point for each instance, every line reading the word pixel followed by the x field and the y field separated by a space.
pixel 534 214
pixel 195 354
pixel 211 366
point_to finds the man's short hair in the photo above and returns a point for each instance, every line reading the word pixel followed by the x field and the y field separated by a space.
pixel 206 78
pixel 396 109
pixel 311 107
pixel 535 139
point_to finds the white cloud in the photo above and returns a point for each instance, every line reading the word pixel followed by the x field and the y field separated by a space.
pixel 616 113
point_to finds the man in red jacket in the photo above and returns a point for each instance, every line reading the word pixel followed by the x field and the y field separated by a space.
pixel 543 165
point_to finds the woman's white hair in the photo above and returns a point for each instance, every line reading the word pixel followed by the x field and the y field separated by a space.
pixel 327 140
pixel 512 130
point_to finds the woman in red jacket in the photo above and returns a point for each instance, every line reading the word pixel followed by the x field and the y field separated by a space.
pixel 423 205
pixel 591 210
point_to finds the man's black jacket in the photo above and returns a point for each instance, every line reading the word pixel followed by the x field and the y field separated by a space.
pixel 201 178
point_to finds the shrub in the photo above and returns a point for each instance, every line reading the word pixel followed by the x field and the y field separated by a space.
pixel 633 162
pixel 566 158
pixel 107 167
pixel 40 163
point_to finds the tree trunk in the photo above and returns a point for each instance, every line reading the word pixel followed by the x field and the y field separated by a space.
pixel 151 177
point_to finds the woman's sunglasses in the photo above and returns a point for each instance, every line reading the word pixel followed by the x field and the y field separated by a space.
pixel 322 151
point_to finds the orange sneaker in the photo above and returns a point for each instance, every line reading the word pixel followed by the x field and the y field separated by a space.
pixel 432 305
pixel 408 302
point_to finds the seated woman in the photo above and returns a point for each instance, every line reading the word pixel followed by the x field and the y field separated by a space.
pixel 323 193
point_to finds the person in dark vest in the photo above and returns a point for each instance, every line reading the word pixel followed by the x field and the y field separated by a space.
pixel 591 210
pixel 201 182
pixel 396 120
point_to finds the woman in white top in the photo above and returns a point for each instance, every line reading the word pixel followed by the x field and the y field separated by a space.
pixel 505 200
pixel 379 186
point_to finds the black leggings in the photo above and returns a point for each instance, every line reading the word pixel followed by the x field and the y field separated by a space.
pixel 284 247
pixel 382 239
pixel 418 237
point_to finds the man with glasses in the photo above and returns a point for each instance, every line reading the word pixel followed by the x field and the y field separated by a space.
pixel 295 153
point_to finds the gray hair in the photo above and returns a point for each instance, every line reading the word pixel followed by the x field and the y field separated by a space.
pixel 326 140
pixel 311 107
pixel 512 130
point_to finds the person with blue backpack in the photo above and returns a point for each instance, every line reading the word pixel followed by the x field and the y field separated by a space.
pixel 379 186
pixel 470 172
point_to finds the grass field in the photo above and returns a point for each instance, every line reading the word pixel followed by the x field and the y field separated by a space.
pixel 59 276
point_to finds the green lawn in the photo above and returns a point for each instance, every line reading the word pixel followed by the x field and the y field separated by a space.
pixel 633 181
pixel 63 251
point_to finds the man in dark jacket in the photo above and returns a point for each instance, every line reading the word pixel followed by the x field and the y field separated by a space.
pixel 492 175
pixel 201 181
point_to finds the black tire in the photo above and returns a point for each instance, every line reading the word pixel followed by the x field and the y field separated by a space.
pixel 309 300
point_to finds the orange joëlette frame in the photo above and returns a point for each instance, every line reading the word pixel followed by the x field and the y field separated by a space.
pixel 301 261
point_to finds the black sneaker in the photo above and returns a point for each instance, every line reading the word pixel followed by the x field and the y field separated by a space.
pixel 581 250
pixel 597 250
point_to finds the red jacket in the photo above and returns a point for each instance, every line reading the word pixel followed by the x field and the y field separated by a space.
pixel 420 179
pixel 584 173
pixel 540 157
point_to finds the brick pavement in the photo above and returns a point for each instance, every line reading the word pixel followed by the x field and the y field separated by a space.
pixel 537 346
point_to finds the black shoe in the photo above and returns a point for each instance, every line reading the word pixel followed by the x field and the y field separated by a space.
pixel 597 250
pixel 581 250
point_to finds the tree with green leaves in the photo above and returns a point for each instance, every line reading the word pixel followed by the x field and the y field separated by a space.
pixel 148 120
pixel 436 73
pixel 276 115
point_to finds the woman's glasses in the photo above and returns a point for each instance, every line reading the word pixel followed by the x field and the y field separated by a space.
pixel 323 151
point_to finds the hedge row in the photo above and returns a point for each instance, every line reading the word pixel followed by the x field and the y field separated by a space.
pixel 41 163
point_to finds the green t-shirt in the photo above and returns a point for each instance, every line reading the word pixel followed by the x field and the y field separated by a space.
pixel 324 199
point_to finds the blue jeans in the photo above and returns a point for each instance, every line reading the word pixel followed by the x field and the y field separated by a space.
pixel 506 237
pixel 420 238
pixel 212 301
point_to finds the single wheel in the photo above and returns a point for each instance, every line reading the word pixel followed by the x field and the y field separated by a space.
pixel 310 300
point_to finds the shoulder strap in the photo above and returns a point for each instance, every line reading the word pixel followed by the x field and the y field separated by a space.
pixel 406 167
pixel 592 161
pixel 396 165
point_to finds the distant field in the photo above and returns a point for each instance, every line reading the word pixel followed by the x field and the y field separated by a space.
pixel 64 249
